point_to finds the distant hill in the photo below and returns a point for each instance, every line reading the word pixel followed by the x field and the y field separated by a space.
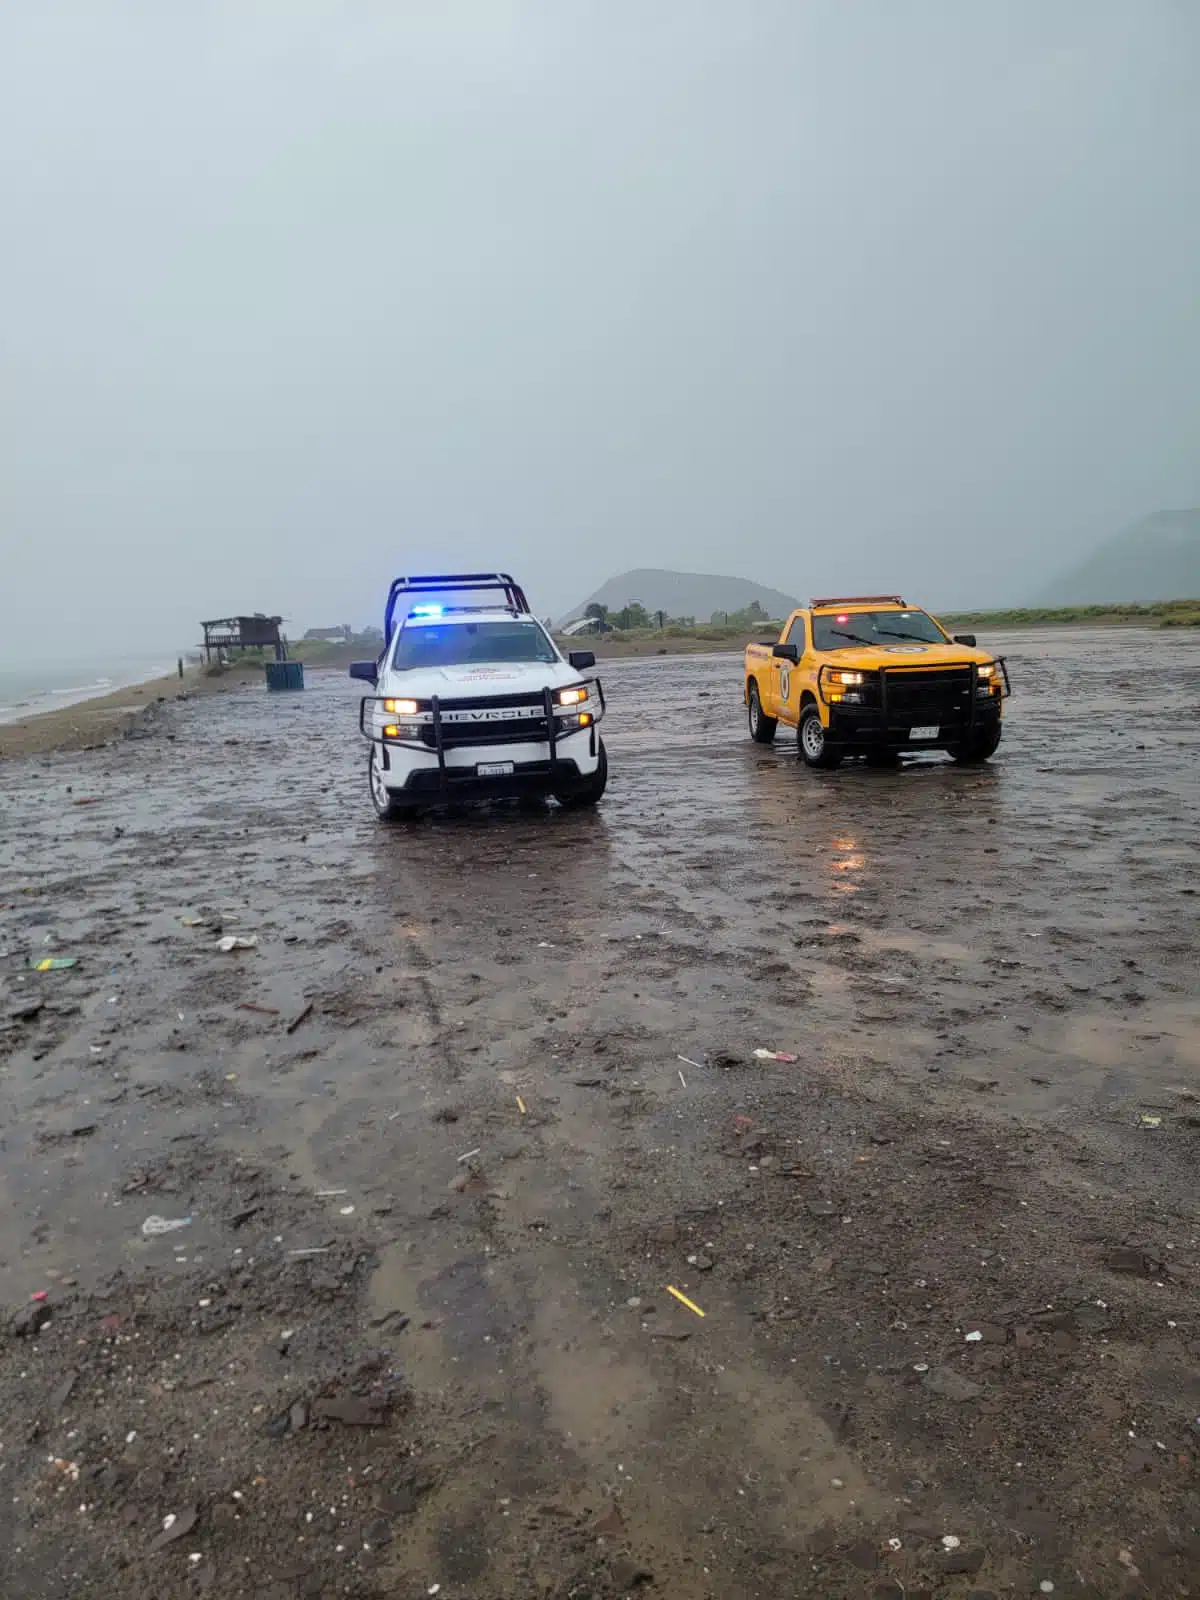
pixel 685 594
pixel 1157 558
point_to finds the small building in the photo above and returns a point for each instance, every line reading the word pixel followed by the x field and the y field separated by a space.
pixel 228 634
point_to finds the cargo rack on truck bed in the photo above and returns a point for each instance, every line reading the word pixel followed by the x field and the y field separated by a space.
pixel 454 583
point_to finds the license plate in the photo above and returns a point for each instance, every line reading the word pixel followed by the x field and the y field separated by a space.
pixel 494 769
pixel 923 733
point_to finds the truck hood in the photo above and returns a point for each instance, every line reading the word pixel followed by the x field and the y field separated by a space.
pixel 873 656
pixel 499 679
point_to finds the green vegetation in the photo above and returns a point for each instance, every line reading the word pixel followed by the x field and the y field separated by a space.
pixel 634 619
pixel 337 652
pixel 748 618
pixel 680 634
pixel 1157 614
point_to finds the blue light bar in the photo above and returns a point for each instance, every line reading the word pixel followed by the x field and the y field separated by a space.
pixel 426 611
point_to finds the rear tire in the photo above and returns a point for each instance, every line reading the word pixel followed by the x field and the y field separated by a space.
pixel 592 788
pixel 981 748
pixel 387 807
pixel 813 743
pixel 762 727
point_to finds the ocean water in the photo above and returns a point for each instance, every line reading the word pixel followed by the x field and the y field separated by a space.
pixel 25 691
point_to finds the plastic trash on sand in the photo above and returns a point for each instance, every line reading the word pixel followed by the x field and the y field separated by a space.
pixel 236 941
pixel 774 1055
pixel 154 1226
pixel 54 963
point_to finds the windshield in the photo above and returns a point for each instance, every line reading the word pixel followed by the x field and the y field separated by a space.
pixel 845 628
pixel 456 644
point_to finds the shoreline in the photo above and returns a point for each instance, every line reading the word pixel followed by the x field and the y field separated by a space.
pixel 44 701
pixel 101 719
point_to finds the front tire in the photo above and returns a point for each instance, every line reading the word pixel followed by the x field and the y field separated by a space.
pixel 813 741
pixel 762 727
pixel 387 807
pixel 591 789
pixel 981 748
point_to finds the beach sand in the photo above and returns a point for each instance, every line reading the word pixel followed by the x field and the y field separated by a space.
pixel 495 1245
pixel 89 723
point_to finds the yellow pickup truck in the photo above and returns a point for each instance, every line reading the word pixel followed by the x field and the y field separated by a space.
pixel 867 675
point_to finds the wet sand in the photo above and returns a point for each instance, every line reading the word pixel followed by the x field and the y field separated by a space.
pixel 104 719
pixel 480 1378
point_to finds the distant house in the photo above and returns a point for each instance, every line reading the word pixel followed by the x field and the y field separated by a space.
pixel 340 635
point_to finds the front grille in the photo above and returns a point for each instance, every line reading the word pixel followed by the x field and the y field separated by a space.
pixel 515 730
pixel 534 697
pixel 936 695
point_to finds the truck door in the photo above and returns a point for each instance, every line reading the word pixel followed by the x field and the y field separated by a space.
pixel 787 679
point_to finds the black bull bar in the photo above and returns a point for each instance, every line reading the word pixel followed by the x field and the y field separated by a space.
pixel 547 707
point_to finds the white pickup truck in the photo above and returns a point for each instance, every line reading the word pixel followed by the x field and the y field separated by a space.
pixel 475 702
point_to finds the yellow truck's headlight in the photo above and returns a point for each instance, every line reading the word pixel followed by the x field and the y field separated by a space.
pixel 986 670
pixel 847 679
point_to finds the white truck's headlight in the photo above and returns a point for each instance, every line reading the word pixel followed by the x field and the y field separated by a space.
pixel 401 708
pixel 572 697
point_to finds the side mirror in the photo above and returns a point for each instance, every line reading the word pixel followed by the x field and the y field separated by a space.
pixel 582 659
pixel 965 638
pixel 786 652
pixel 366 670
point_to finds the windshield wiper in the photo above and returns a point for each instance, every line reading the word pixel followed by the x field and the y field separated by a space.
pixel 913 638
pixel 857 637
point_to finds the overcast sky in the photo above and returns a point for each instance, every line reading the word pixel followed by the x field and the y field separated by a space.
pixel 296 294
